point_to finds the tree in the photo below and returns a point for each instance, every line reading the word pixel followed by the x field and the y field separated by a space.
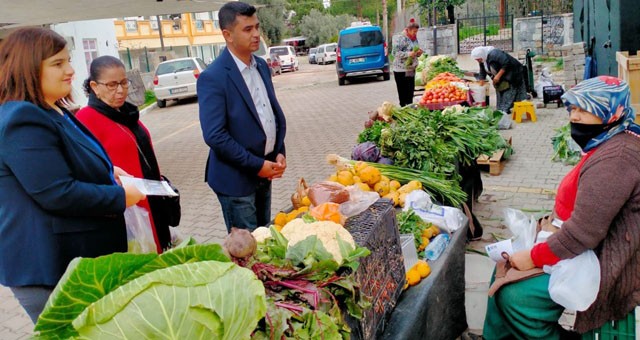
pixel 440 6
pixel 320 28
pixel 272 19
pixel 303 8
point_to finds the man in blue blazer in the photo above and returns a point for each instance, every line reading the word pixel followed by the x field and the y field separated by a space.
pixel 241 122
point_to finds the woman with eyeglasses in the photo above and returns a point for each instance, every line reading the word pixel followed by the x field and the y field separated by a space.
pixel 116 123
pixel 60 193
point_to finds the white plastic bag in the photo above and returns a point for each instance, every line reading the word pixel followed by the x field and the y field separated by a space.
pixel 139 234
pixel 574 283
pixel 522 227
pixel 447 218
pixel 358 202
pixel 545 79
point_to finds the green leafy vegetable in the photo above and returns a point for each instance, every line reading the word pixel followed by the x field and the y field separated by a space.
pixel 307 289
pixel 372 134
pixel 446 64
pixel 565 149
pixel 183 293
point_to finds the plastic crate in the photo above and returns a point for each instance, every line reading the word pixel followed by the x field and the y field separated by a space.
pixel 381 275
pixel 624 329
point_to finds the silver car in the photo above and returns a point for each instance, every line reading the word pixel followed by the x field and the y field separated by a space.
pixel 176 79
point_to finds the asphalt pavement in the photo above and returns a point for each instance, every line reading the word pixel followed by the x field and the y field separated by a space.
pixel 323 118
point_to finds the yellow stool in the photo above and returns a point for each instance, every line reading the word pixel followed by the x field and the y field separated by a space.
pixel 522 108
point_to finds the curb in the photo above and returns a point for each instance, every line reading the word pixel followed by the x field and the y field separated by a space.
pixel 148 109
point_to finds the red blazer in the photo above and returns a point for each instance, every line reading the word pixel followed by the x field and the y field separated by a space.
pixel 120 144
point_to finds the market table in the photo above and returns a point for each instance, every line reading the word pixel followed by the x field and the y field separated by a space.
pixel 434 308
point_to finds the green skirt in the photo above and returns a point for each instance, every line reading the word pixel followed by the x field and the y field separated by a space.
pixel 523 310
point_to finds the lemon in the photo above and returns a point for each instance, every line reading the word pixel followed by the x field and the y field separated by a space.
pixel 413 277
pixel 423 269
pixel 305 201
pixel 281 219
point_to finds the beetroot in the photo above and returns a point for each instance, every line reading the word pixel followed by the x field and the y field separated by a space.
pixel 240 243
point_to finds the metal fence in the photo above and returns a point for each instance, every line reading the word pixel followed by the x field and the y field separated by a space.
pixel 494 30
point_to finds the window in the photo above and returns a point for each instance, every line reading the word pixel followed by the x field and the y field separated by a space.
pixel 153 21
pixel 216 23
pixel 131 25
pixel 90 50
pixel 361 39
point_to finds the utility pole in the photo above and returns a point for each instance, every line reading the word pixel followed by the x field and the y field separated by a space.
pixel 385 22
pixel 399 6
pixel 160 32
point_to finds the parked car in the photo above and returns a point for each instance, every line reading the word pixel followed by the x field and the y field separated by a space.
pixel 274 64
pixel 287 55
pixel 176 79
pixel 312 55
pixel 326 53
pixel 361 52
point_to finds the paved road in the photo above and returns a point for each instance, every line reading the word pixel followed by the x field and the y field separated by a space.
pixel 322 118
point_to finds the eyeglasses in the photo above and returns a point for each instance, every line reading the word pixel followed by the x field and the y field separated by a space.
pixel 113 85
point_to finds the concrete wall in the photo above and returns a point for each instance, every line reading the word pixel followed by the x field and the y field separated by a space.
pixel 528 34
pixel 445 36
pixel 101 30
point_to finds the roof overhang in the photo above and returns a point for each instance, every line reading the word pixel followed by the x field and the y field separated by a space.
pixel 15 14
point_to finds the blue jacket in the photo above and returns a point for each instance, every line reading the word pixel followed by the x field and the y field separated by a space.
pixel 232 129
pixel 58 200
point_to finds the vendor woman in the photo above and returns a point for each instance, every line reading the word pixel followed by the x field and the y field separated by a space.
pixel 598 202
pixel 506 72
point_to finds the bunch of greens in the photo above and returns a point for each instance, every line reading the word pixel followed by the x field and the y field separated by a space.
pixel 307 290
pixel 372 133
pixel 415 144
pixel 186 293
pixel 446 64
pixel 435 140
pixel 409 62
pixel 565 148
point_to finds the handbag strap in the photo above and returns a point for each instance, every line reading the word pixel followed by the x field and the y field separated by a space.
pixel 130 134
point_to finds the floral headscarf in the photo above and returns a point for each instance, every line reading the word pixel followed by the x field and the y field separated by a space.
pixel 609 99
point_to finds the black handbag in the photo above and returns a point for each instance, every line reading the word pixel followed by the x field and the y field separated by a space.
pixel 171 207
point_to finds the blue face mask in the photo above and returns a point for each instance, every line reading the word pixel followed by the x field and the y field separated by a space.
pixel 583 133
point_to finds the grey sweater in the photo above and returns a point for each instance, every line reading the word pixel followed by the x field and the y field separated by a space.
pixel 606 218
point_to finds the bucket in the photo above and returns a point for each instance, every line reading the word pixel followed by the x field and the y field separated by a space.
pixel 477 275
pixel 478 93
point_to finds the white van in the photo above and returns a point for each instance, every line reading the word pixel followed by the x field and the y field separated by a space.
pixel 326 53
pixel 287 55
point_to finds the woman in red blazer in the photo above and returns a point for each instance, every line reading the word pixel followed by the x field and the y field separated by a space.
pixel 116 124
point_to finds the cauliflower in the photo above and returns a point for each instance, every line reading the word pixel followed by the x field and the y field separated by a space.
pixel 261 234
pixel 326 231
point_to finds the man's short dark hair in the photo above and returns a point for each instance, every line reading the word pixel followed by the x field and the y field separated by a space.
pixel 228 13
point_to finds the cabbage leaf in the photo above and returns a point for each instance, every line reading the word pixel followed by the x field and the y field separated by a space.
pixel 96 292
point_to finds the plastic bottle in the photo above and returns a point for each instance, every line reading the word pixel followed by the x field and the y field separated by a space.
pixel 436 247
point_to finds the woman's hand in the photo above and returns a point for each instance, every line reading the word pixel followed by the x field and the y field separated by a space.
pixel 132 195
pixel 522 260
pixel 117 172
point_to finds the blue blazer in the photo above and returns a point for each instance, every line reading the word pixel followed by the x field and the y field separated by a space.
pixel 232 129
pixel 58 200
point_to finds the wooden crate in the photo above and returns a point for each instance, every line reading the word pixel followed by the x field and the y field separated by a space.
pixel 495 161
pixel 629 71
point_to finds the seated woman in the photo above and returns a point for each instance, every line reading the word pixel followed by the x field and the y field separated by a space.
pixel 598 203
pixel 117 126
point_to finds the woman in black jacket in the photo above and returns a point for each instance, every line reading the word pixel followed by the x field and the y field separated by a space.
pixel 506 72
